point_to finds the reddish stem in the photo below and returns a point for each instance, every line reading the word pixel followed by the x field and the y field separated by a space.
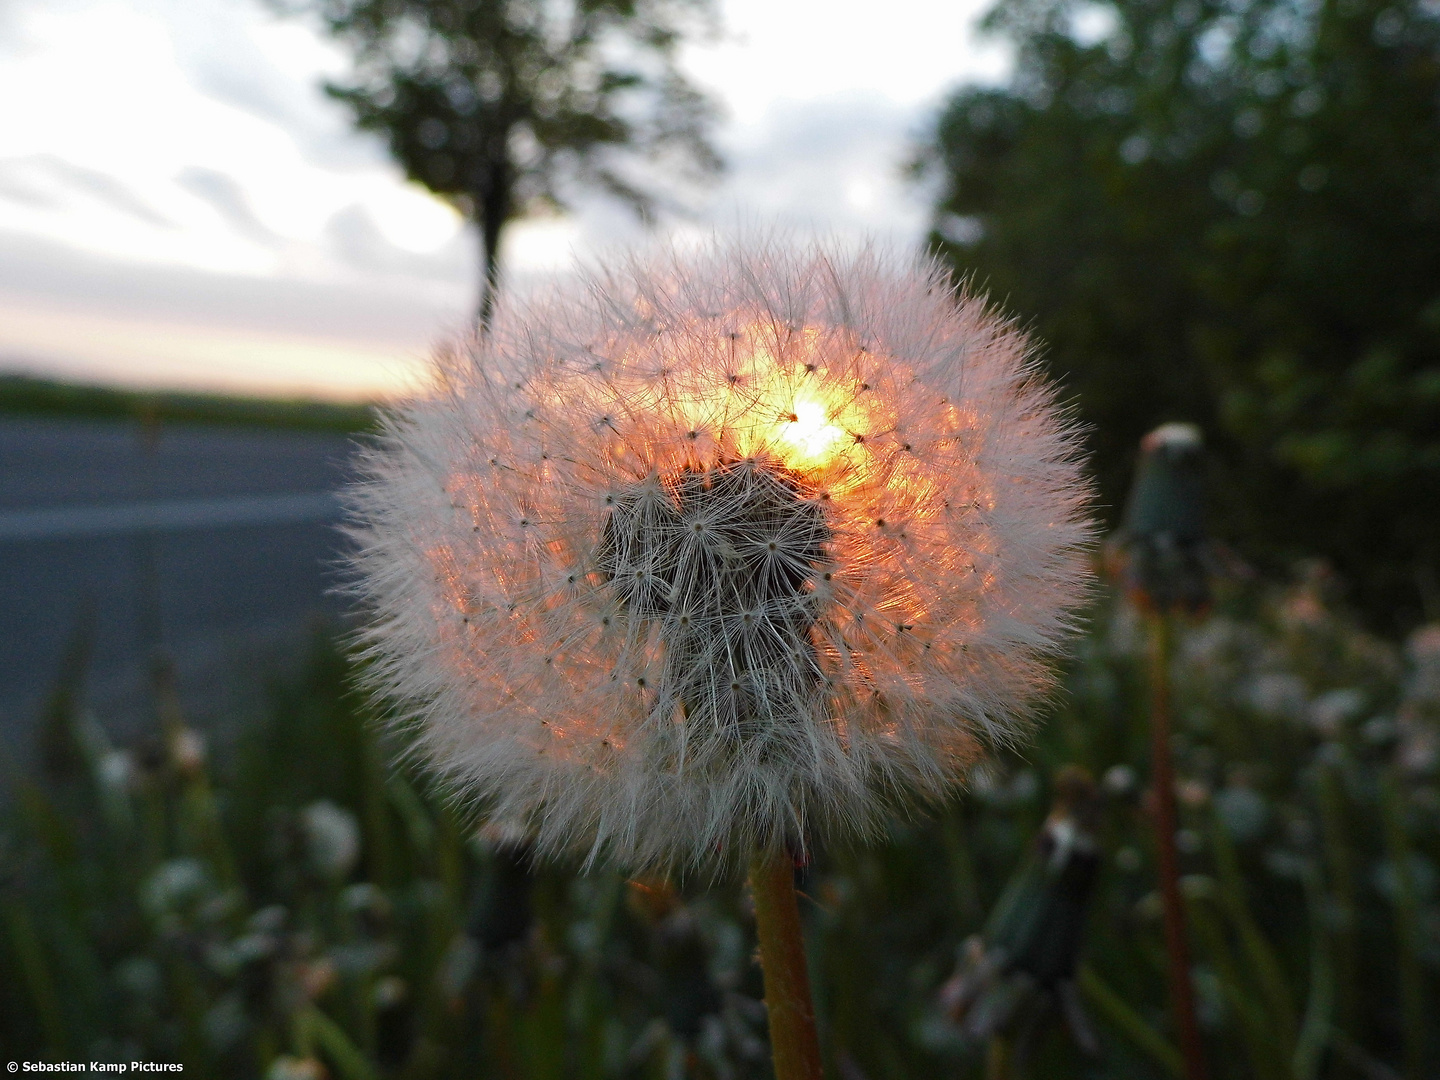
pixel 1177 946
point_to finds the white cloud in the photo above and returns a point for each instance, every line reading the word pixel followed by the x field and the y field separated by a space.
pixel 907 51
pixel 227 197
pixel 829 165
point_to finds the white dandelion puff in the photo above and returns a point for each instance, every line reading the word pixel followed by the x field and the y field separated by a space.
pixel 710 552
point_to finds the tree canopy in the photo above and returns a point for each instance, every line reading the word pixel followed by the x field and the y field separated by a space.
pixel 1228 212
pixel 506 106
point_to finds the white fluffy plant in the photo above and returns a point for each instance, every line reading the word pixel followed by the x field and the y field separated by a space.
pixel 707 557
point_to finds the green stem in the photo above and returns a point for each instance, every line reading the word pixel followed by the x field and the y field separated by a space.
pixel 1315 1031
pixel 1177 946
pixel 962 868
pixel 1407 927
pixel 1264 964
pixel 1340 863
pixel 999 1059
pixel 794 1046
pixel 1113 1007
pixel 36 973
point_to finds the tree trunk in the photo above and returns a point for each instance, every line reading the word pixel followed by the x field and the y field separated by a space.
pixel 492 211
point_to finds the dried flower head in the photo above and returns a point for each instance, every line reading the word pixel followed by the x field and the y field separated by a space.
pixel 717 551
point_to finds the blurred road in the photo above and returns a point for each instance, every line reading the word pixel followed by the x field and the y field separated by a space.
pixel 213 545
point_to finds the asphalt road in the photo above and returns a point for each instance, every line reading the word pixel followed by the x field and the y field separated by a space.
pixel 214 547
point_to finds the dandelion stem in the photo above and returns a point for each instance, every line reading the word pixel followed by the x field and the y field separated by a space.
pixel 1407 927
pixel 794 1047
pixel 999 1060
pixel 1177 947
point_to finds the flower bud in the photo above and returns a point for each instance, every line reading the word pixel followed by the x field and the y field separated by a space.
pixel 1162 542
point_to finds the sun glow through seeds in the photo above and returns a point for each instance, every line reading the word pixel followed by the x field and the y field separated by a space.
pixel 808 433
pixel 713 552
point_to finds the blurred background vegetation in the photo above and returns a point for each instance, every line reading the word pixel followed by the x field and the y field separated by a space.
pixel 24 395
pixel 305 907
pixel 1228 212
pixel 1221 212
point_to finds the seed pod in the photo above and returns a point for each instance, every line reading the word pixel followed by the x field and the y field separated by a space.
pixel 716 552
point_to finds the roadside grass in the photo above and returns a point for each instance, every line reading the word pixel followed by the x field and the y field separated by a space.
pixel 311 907
pixel 22 395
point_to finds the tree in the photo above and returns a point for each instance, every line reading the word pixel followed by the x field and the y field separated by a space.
pixel 505 106
pixel 1228 212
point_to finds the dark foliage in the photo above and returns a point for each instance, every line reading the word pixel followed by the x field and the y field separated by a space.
pixel 1228 212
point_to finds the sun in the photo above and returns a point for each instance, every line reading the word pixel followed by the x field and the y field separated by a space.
pixel 808 434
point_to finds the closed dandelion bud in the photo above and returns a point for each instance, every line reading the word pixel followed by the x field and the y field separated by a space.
pixel 188 752
pixel 295 1068
pixel 332 839
pixel 1025 962
pixel 1162 544
pixel 709 554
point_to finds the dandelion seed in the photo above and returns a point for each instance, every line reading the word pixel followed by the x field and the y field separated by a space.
pixel 684 609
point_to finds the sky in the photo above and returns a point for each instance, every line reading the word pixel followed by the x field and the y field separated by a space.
pixel 181 206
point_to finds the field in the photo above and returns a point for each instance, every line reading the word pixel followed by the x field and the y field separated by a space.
pixel 307 906
pixel 21 395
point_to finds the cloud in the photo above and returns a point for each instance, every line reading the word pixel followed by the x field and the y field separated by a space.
pixel 228 53
pixel 352 236
pixel 39 178
pixel 387 311
pixel 78 315
pixel 17 187
pixel 10 36
pixel 227 198
pixel 834 164
pixel 224 62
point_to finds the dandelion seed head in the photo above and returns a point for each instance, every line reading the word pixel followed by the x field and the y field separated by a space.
pixel 715 551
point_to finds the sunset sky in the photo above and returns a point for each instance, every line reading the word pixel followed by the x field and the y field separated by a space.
pixel 181 206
